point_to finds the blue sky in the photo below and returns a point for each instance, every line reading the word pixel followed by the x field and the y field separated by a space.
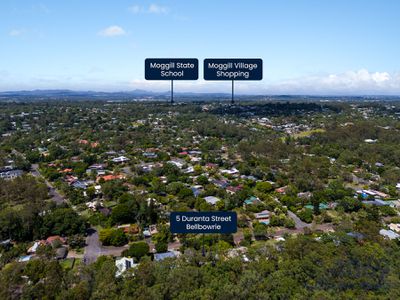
pixel 308 46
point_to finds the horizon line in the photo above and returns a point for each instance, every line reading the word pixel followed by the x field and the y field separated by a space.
pixel 197 93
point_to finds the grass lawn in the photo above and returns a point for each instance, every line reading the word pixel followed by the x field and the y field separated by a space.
pixel 68 263
pixel 77 263
pixel 259 243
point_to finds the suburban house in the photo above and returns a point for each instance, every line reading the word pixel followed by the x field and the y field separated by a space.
pixel 389 234
pixel 146 232
pixel 232 171
pixel 263 216
pixel 220 183
pixel 120 159
pixel 211 200
pixel 378 202
pixel 177 162
pixel 129 228
pixel 110 177
pixel 162 256
pixel 52 239
pixel 10 174
pixel 150 154
pixel 94 205
pixel 252 200
pixel 123 264
pixel 395 227
pixel 234 189
pixel 322 206
pixel 153 229
pixel 79 185
pixel 6 243
pixel 197 189
pixel 25 258
pixel 95 167
pixel 281 190
pixel 34 247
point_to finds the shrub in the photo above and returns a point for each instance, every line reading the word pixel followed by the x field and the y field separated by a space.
pixel 113 237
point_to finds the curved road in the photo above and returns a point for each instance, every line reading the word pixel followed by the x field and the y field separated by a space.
pixel 94 248
pixel 299 224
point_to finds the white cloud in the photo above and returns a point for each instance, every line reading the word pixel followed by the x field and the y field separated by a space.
pixel 112 31
pixel 360 82
pixel 157 9
pixel 136 9
pixel 16 32
pixel 151 9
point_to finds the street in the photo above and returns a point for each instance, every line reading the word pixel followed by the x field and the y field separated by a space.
pixel 54 194
pixel 94 248
pixel 299 224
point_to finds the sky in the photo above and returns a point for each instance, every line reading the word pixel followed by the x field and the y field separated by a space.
pixel 340 47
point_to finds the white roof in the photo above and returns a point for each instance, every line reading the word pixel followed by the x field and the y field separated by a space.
pixel 120 159
pixel 389 234
pixel 231 171
pixel 263 214
pixel 211 199
pixel 394 227
pixel 34 247
pixel 123 264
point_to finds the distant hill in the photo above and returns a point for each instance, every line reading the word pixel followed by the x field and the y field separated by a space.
pixel 143 95
pixel 71 93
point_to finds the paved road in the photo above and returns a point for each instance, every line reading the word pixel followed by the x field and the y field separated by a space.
pixel 298 223
pixel 55 195
pixel 94 248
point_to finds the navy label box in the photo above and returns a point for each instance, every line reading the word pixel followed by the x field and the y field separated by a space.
pixel 203 222
pixel 171 68
pixel 233 69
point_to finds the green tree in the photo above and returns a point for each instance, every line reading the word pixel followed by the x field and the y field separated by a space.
pixel 62 221
pixel 350 204
pixel 260 231
pixel 161 247
pixel 137 250
pixel 264 187
pixel 306 215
